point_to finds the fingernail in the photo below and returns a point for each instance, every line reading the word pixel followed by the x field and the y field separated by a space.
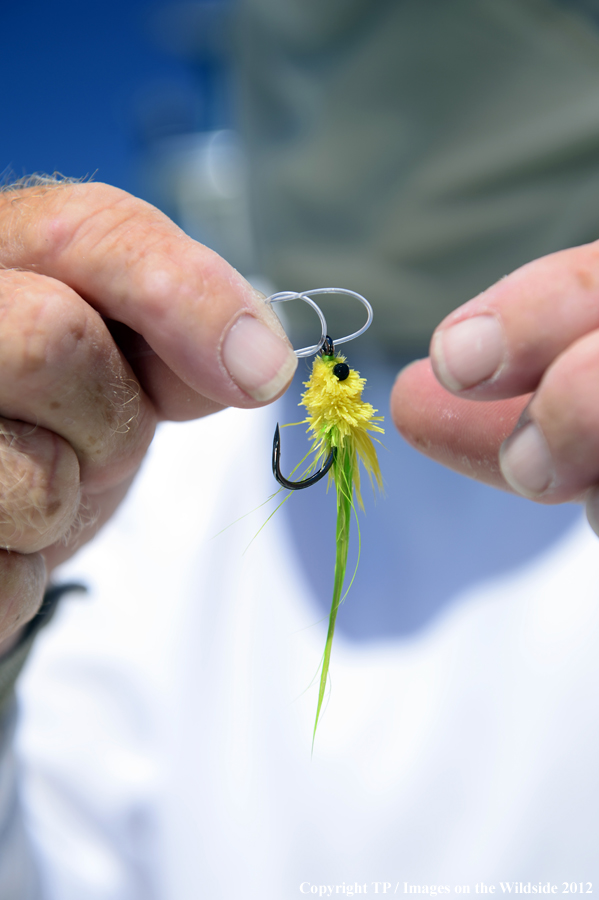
pixel 468 352
pixel 525 461
pixel 258 361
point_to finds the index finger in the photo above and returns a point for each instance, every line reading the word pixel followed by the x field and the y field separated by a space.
pixel 134 265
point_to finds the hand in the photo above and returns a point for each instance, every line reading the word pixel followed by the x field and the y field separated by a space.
pixel 110 319
pixel 529 348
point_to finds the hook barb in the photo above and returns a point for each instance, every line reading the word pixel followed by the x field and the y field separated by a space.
pixel 296 485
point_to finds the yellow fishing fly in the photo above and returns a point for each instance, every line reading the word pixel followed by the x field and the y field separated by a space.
pixel 339 422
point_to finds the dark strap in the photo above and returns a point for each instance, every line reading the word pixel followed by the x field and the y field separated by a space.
pixel 13 661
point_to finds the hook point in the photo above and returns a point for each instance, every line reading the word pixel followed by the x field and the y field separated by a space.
pixel 297 485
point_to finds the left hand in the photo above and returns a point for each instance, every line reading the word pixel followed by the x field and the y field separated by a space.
pixel 111 319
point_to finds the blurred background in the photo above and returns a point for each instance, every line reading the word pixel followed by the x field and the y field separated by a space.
pixel 135 94
pixel 413 152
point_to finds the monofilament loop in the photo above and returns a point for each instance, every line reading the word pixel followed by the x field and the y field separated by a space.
pixel 307 296
pixel 347 292
pixel 282 297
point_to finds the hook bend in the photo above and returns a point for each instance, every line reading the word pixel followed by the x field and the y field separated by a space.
pixel 297 485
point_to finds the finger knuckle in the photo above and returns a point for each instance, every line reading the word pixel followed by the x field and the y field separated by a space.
pixel 38 487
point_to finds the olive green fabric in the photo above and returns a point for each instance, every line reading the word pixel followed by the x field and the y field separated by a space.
pixel 418 150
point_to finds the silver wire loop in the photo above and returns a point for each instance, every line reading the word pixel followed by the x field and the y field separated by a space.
pixel 306 296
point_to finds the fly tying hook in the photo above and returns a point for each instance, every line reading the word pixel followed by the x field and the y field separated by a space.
pixel 296 485
pixel 341 371
pixel 327 350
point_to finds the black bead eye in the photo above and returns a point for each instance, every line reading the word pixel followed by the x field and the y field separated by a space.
pixel 341 371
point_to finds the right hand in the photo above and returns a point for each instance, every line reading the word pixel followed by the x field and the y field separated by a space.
pixel 510 394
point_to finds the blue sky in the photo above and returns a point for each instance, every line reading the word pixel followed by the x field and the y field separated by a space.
pixel 75 77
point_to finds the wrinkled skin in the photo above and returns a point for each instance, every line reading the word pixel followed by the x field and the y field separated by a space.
pixel 111 319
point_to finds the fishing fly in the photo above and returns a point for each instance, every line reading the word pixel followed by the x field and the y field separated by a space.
pixel 339 424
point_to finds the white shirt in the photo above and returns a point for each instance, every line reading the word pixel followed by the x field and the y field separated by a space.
pixel 167 720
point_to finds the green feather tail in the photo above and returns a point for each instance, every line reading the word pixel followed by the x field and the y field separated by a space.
pixel 343 469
